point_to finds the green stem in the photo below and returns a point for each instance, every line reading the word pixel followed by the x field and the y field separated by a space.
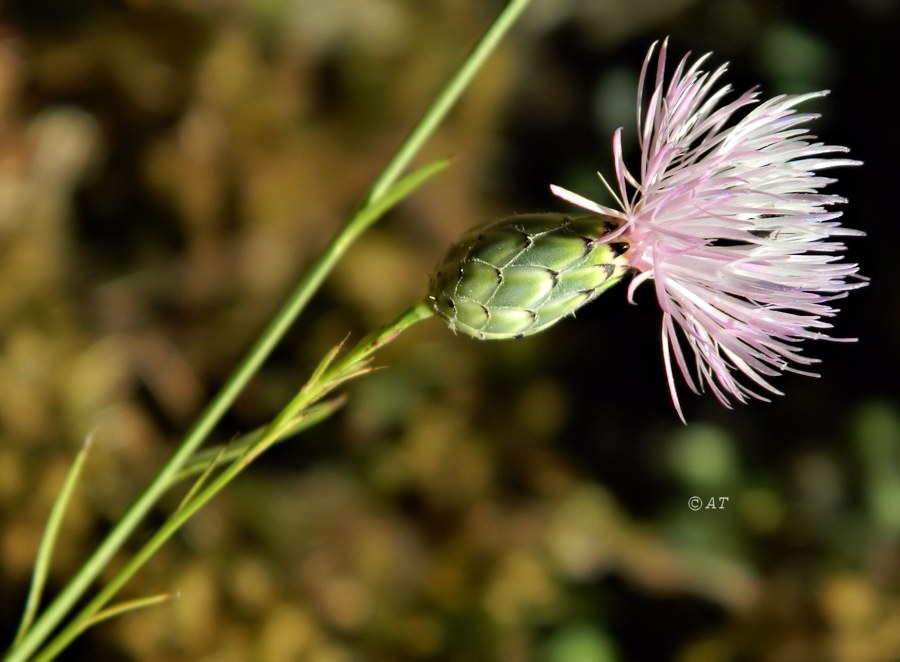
pixel 376 203
pixel 78 624
pixel 333 376
pixel 78 585
pixel 448 96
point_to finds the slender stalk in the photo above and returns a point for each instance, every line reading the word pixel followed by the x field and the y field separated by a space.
pixel 376 203
pixel 448 96
pixel 78 585
pixel 353 364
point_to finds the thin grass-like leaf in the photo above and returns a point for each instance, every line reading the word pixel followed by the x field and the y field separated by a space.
pixel 129 606
pixel 48 541
pixel 238 447
pixel 201 481
pixel 312 415
pixel 404 187
pixel 351 372
pixel 325 364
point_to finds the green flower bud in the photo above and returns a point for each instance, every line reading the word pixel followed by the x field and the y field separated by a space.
pixel 522 274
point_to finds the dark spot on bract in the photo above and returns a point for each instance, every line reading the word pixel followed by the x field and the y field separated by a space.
pixel 618 247
pixel 588 247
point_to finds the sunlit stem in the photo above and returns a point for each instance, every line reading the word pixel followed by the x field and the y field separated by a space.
pixel 375 205
pixel 354 364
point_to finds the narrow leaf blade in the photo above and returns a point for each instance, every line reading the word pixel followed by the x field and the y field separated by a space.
pixel 129 606
pixel 48 540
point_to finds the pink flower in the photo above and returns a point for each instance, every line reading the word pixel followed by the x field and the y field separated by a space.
pixel 727 218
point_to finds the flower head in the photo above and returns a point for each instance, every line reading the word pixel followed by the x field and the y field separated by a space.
pixel 726 217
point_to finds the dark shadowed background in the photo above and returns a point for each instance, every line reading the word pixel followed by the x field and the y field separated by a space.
pixel 167 171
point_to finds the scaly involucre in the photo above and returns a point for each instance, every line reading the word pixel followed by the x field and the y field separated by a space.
pixel 727 219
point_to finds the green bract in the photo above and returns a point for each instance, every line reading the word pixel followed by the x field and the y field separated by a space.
pixel 522 274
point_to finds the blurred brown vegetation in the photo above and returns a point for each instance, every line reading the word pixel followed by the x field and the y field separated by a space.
pixel 169 168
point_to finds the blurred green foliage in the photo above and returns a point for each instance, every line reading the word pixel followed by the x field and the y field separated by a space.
pixel 168 168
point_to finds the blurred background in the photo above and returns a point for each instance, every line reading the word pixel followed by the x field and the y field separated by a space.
pixel 169 168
